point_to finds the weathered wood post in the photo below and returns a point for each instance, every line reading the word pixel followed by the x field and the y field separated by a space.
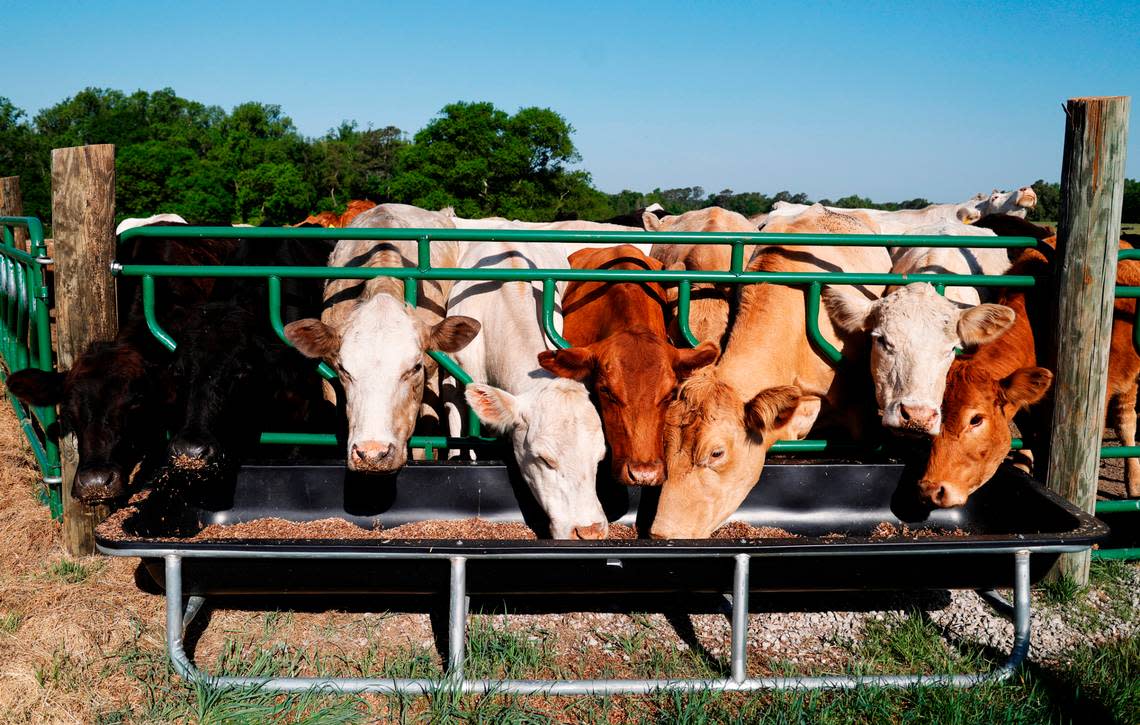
pixel 1088 233
pixel 12 204
pixel 83 225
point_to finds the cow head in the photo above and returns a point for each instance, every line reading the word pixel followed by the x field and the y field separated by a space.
pixel 633 375
pixel 715 448
pixel 914 331
pixel 557 440
pixel 109 401
pixel 233 379
pixel 975 437
pixel 380 355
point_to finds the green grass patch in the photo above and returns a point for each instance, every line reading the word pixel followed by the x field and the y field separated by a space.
pixel 496 651
pixel 10 622
pixel 73 572
pixel 1060 590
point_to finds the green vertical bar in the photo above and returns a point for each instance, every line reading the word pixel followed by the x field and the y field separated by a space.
pixel 684 294
pixel 548 290
pixel 148 311
pixel 278 323
pixel 737 257
pixel 814 333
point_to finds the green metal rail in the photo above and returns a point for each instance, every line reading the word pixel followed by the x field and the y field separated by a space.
pixel 25 341
pixel 548 278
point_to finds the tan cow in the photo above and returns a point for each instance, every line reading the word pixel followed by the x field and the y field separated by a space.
pixel 769 384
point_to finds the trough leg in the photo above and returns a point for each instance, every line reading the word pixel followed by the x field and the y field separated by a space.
pixel 457 618
pixel 177 619
pixel 739 652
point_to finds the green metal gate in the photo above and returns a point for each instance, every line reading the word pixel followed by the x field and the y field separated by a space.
pixel 25 341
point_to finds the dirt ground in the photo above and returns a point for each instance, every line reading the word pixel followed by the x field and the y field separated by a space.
pixel 82 640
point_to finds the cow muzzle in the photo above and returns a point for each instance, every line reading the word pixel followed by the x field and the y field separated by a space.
pixel 913 418
pixel 593 532
pixel 191 452
pixel 941 494
pixel 375 457
pixel 643 473
pixel 94 485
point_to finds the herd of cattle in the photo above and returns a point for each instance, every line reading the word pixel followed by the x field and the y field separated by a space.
pixel 953 368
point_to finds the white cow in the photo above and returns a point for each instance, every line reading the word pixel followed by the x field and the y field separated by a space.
pixel 378 344
pixel 915 330
pixel 555 430
pixel 904 221
pixel 574 225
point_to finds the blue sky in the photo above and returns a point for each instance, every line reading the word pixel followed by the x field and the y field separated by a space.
pixel 882 99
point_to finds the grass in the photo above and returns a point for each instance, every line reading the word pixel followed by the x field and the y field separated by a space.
pixel 10 622
pixel 1061 590
pixel 72 572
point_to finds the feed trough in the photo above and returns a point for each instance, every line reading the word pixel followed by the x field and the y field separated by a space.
pixel 1008 535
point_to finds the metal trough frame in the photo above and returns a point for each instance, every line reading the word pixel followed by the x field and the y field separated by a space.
pixel 179 615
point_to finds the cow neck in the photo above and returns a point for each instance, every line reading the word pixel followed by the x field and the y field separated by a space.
pixel 1014 349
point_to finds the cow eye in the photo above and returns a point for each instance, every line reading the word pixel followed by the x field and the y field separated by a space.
pixel 976 420
pixel 717 454
pixel 607 393
pixel 544 460
pixel 883 344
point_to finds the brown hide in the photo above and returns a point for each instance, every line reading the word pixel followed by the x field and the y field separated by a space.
pixel 621 351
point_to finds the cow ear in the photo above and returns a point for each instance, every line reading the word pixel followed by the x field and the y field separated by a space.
pixel 850 312
pixel 576 363
pixel 650 221
pixel 454 333
pixel 784 411
pixel 313 338
pixel 497 408
pixel 689 361
pixel 36 387
pixel 581 258
pixel 1026 386
pixel 984 323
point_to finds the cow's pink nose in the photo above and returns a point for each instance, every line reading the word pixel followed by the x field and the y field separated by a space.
pixel 372 452
pixel 592 532
pixel 645 473
pixel 918 417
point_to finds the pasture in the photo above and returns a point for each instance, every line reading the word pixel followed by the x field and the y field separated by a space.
pixel 82 642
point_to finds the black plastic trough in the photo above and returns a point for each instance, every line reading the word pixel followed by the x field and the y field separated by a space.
pixel 1012 513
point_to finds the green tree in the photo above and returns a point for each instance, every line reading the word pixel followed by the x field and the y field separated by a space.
pixel 1131 211
pixel 1048 202
pixel 23 154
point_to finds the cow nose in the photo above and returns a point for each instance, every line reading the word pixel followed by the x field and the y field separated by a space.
pixel 371 453
pixel 97 484
pixel 645 473
pixel 918 417
pixel 593 532
pixel 941 495
pixel 190 449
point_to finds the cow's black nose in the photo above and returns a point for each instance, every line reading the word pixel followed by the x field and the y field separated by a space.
pixel 97 484
pixel 188 449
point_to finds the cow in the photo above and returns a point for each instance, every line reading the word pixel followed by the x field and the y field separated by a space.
pixel 331 219
pixel 915 330
pixel 572 225
pixel 233 376
pixel 379 345
pixel 770 384
pixel 709 306
pixel 554 429
pixel 636 218
pixel 621 350
pixel 985 391
pixel 112 398
pixel 1016 203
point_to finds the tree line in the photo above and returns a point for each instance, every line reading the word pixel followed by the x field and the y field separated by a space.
pixel 251 164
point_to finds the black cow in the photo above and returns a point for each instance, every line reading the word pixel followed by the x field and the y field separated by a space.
pixel 112 398
pixel 235 378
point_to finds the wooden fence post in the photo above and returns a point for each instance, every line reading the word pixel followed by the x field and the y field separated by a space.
pixel 12 204
pixel 83 225
pixel 1084 281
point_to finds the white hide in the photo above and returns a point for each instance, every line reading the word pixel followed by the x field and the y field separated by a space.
pixel 135 222
pixel 554 429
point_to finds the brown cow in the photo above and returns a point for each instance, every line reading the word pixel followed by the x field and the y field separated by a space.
pixel 620 348
pixel 984 391
pixel 333 220
pixel 1120 403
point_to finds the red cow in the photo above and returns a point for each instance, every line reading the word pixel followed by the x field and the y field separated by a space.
pixel 620 348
